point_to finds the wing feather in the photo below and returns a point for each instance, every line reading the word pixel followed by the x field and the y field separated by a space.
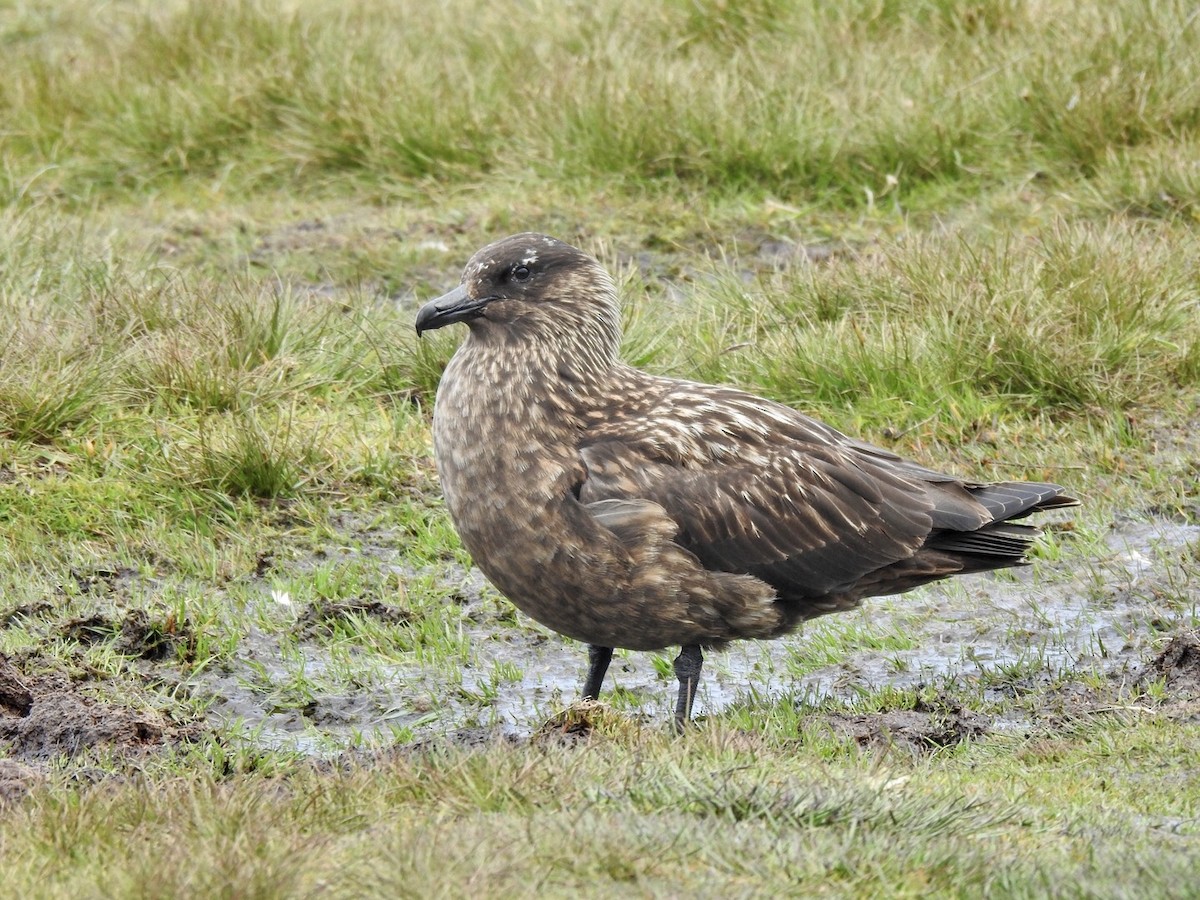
pixel 759 488
pixel 807 524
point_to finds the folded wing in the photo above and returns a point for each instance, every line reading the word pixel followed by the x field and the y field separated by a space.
pixel 760 489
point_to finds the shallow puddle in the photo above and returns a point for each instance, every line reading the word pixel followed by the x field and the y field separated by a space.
pixel 1100 612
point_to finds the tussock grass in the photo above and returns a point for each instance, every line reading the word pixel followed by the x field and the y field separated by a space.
pixel 100 350
pixel 46 389
pixel 1159 180
pixel 971 335
pixel 849 103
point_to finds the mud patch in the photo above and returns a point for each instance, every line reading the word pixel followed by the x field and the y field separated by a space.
pixel 926 727
pixel 1167 684
pixel 103 580
pixel 45 718
pixel 478 738
pixel 322 616
pixel 16 780
pixel 15 698
pixel 139 634
pixel 1177 666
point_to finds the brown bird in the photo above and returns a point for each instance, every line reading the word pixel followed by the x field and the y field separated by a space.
pixel 625 509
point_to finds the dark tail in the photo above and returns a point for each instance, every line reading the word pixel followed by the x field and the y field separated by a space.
pixel 1000 543
pixel 1009 500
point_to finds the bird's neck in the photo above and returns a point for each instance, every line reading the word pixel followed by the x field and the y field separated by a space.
pixel 543 391
pixel 527 362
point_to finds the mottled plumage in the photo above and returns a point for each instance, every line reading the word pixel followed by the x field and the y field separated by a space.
pixel 629 510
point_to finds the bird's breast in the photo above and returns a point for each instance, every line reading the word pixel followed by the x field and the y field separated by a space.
pixel 506 462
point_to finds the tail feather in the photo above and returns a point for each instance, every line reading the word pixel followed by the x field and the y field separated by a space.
pixel 999 539
pixel 1017 499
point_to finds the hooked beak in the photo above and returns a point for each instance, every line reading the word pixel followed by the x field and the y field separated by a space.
pixel 455 306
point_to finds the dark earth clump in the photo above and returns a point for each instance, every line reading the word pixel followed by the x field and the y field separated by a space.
pixel 925 727
pixel 321 615
pixel 1178 666
pixel 90 629
pixel 15 698
pixel 16 780
pixel 45 718
pixel 138 635
pixel 152 638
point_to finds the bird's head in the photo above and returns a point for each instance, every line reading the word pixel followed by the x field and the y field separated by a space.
pixel 530 286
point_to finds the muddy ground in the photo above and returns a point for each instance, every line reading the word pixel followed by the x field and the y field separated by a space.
pixel 1109 619
pixel 1079 636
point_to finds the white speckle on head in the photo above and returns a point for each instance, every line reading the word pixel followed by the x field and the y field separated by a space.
pixel 530 258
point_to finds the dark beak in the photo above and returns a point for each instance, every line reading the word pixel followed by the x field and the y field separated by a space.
pixel 455 306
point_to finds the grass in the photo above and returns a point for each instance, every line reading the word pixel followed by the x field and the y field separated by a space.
pixel 862 103
pixel 967 231
pixel 646 811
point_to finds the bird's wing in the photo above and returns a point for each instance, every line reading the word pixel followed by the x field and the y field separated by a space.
pixel 758 488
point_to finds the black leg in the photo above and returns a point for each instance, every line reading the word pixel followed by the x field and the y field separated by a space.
pixel 687 670
pixel 598 660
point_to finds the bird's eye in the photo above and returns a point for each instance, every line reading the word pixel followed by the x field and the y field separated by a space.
pixel 520 273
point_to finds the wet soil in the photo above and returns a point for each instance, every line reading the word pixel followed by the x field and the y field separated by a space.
pixel 925 727
pixel 1121 619
pixel 1177 667
pixel 929 725
pixel 1105 619
pixel 320 616
pixel 47 719
pixel 61 721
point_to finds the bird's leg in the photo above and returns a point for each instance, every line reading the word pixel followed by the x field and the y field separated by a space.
pixel 687 670
pixel 598 660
